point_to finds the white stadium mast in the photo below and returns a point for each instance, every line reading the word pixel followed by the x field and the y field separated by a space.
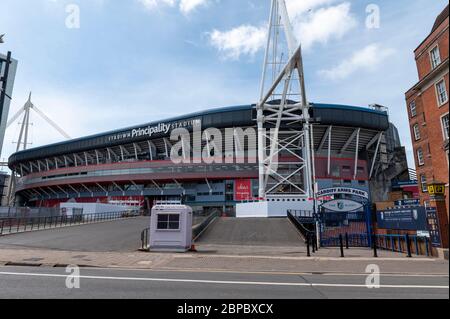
pixel 23 137
pixel 284 149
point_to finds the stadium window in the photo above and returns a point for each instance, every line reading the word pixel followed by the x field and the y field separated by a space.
pixel 441 91
pixel 435 57
pixel 413 108
pixel 347 181
pixel 423 183
pixel 168 222
pixel 444 123
pixel 416 130
pixel 335 171
pixel 420 158
pixel 362 183
pixel 346 169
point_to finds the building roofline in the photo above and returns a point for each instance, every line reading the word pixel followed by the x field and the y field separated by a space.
pixel 439 20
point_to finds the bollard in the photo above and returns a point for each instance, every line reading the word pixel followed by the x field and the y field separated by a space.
pixel 308 251
pixel 408 246
pixel 313 243
pixel 374 244
pixel 341 244
pixel 346 241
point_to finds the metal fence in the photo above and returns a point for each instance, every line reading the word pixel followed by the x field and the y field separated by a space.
pixel 409 244
pixel 351 240
pixel 23 212
pixel 19 225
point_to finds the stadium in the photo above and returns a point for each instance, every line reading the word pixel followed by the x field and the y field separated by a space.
pixel 134 166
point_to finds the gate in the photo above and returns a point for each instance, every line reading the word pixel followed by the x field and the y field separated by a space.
pixel 355 227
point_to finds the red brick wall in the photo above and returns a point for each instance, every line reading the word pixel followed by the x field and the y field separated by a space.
pixel 429 113
pixel 439 37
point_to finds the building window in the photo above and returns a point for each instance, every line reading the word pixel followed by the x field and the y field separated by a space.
pixel 441 92
pixel 420 158
pixel 435 57
pixel 416 130
pixel 423 183
pixel 444 122
pixel 168 222
pixel 413 108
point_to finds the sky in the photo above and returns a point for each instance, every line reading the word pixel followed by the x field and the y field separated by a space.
pixel 99 65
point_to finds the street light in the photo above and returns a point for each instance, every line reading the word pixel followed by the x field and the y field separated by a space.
pixel 1 38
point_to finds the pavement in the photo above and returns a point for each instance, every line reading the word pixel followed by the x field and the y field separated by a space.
pixel 326 260
pixel 51 283
pixel 277 232
pixel 117 235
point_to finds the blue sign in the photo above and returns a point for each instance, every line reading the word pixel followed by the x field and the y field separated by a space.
pixel 404 183
pixel 433 227
pixel 412 218
pixel 407 202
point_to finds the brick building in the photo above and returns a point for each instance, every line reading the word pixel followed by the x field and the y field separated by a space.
pixel 427 103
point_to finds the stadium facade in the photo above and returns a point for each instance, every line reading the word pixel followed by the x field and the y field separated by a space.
pixel 135 165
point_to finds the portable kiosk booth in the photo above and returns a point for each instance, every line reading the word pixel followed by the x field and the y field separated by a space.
pixel 171 228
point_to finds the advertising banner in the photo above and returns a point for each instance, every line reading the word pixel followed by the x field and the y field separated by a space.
pixel 433 227
pixel 413 218
pixel 242 190
pixel 407 202
pixel 343 205
pixel 343 190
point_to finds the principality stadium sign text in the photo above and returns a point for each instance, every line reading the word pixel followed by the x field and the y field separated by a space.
pixel 159 129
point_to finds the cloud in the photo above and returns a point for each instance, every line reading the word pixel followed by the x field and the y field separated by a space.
pixel 243 40
pixel 153 4
pixel 367 58
pixel 297 8
pixel 185 6
pixel 311 25
pixel 324 24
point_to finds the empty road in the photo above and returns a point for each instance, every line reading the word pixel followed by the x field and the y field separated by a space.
pixel 49 283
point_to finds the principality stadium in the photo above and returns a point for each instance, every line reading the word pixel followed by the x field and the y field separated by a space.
pixel 133 166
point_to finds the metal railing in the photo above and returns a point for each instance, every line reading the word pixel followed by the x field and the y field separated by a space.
pixel 198 229
pixel 307 214
pixel 351 240
pixel 24 224
pixel 310 236
pixel 409 244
